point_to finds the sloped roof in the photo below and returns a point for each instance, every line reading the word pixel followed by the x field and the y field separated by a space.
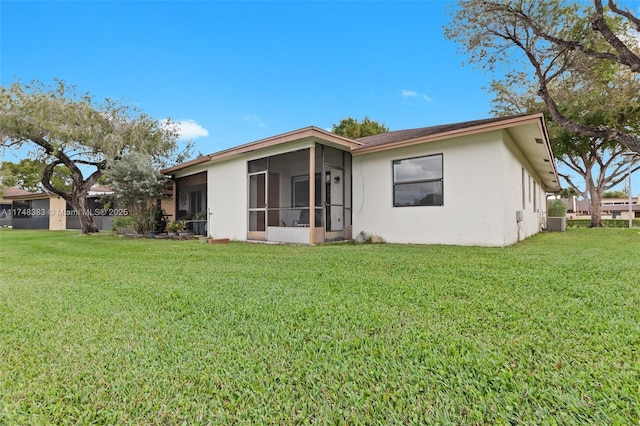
pixel 528 132
pixel 421 132
pixel 306 132
pixel 15 192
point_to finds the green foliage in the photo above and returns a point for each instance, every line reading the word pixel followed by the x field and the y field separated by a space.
pixel 354 129
pixel 615 194
pixel 607 223
pixel 124 225
pixel 578 58
pixel 27 175
pixel 176 226
pixel 74 132
pixel 556 208
pixel 333 334
pixel 134 179
pixel 137 183
pixel 600 95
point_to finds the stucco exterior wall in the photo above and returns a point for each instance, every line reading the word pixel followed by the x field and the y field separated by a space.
pixel 227 199
pixel 478 187
pixel 523 191
pixel 227 194
pixel 57 216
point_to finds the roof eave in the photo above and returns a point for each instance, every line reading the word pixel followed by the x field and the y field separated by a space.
pixel 497 125
pixel 304 133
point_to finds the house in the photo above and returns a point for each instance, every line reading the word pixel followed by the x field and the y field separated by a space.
pixel 22 209
pixel 480 182
pixel 614 208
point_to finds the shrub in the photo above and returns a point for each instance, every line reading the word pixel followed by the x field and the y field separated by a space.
pixel 556 208
pixel 608 223
pixel 124 225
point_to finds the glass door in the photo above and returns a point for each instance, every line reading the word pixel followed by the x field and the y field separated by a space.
pixel 257 206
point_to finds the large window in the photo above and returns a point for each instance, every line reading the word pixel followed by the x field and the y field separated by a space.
pixel 418 181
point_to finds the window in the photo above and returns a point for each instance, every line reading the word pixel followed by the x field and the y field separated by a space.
pixel 418 181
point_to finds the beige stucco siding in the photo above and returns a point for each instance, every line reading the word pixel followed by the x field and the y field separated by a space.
pixel 474 198
pixel 57 215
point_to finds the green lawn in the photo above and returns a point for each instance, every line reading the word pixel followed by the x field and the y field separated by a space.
pixel 108 330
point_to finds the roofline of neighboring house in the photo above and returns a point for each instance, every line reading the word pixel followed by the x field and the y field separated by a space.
pixel 31 196
pixel 306 132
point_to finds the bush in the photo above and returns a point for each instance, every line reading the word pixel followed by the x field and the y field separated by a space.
pixel 556 208
pixel 608 223
pixel 124 225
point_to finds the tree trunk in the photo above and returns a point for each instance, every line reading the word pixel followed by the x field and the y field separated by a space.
pixel 84 214
pixel 77 197
pixel 595 201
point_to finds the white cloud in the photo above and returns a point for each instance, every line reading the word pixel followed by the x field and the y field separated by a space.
pixel 255 120
pixel 413 94
pixel 188 129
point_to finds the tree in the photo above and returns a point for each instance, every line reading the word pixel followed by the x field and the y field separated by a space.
pixel 556 40
pixel 615 194
pixel 354 129
pixel 78 134
pixel 137 183
pixel 599 163
pixel 27 175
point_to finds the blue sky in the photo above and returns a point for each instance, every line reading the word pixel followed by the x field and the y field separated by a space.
pixel 235 72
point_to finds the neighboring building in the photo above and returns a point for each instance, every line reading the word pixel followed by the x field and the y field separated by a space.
pixel 481 182
pixel 614 208
pixel 22 209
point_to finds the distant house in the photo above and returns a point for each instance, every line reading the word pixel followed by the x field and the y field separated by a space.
pixel 22 209
pixel 480 182
pixel 614 208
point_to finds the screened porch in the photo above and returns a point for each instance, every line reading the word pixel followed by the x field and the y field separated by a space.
pixel 302 196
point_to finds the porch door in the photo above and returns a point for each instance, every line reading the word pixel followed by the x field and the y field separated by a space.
pixel 334 201
pixel 257 206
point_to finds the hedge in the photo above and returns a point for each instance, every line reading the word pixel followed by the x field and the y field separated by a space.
pixel 609 223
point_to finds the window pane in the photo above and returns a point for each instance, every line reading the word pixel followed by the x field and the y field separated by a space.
pixel 412 169
pixel 418 194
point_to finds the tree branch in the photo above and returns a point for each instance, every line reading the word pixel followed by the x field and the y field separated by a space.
pixel 47 174
pixel 625 55
pixel 635 22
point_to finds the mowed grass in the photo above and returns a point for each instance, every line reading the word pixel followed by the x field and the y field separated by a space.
pixel 108 330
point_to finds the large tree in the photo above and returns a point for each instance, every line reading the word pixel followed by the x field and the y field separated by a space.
pixel 75 132
pixel 606 96
pixel 553 39
pixel 353 129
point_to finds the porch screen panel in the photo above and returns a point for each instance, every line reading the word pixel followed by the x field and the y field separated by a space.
pixel 257 202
